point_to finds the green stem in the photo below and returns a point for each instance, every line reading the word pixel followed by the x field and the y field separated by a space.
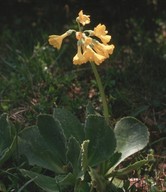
pixel 79 26
pixel 102 94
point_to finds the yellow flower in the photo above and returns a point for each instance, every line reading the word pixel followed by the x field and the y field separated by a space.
pixel 56 40
pixel 83 19
pixel 87 40
pixel 79 35
pixel 102 49
pixel 101 33
pixel 91 55
pixel 88 48
pixel 79 58
pixel 98 59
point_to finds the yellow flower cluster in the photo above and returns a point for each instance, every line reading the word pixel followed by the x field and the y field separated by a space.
pixel 88 46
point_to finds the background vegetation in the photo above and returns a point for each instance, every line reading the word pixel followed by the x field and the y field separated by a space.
pixel 35 78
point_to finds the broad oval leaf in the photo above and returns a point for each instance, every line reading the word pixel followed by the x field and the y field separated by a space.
pixel 52 132
pixel 70 124
pixel 37 151
pixel 131 135
pixel 102 139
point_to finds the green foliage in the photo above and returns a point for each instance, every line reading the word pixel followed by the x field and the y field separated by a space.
pixel 50 184
pixel 129 132
pixel 102 140
pixel 71 125
pixel 90 162
pixel 7 139
pixel 41 154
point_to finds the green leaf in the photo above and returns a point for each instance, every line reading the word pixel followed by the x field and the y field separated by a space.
pixel 73 154
pixel 5 132
pixel 131 135
pixel 82 186
pixel 113 161
pixel 125 171
pixel 118 183
pixel 52 132
pixel 50 184
pixel 97 180
pixel 7 139
pixel 70 124
pixel 84 155
pixel 35 148
pixel 102 140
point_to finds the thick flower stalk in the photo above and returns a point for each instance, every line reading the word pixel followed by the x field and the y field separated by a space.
pixel 92 46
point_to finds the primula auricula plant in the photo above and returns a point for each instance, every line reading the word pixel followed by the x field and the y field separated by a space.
pixel 92 46
pixel 84 156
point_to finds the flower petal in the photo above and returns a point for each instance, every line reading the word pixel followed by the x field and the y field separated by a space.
pixel 79 58
pixel 82 18
pixel 103 49
pixel 101 32
pixel 56 40
pixel 91 55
